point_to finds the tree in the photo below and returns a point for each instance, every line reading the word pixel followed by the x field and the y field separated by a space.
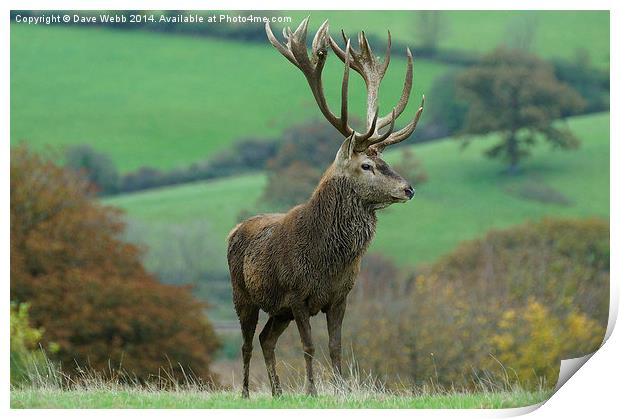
pixel 88 289
pixel 517 95
pixel 448 110
pixel 98 167
pixel 304 153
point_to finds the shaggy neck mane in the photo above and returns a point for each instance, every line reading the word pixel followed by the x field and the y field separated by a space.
pixel 339 225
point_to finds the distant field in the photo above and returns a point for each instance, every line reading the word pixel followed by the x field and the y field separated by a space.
pixel 167 101
pixel 105 399
pixel 465 196
pixel 558 34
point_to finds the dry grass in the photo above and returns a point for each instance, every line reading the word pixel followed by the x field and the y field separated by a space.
pixel 48 387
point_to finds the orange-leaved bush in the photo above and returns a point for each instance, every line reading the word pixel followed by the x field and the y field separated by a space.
pixel 87 287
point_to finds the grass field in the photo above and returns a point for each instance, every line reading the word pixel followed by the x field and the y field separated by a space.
pixel 465 196
pixel 558 34
pixel 167 101
pixel 94 399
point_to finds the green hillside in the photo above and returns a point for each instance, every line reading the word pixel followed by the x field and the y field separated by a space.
pixel 557 34
pixel 464 197
pixel 166 101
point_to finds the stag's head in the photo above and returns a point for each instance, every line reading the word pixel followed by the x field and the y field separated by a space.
pixel 359 157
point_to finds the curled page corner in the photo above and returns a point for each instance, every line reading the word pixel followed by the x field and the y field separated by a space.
pixel 568 368
pixel 517 411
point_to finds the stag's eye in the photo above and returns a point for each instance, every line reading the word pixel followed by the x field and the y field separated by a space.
pixel 366 166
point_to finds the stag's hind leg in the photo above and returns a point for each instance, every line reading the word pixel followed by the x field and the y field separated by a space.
pixel 248 318
pixel 268 338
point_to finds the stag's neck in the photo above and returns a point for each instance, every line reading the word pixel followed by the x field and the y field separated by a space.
pixel 339 222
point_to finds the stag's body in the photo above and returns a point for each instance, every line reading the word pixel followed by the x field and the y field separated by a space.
pixel 294 265
pixel 308 256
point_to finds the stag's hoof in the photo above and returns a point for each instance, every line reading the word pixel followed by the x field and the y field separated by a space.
pixel 245 393
pixel 311 391
pixel 276 392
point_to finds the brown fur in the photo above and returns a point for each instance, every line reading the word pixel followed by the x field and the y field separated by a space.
pixel 296 264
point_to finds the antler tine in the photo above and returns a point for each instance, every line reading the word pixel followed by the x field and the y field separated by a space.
pixel 283 50
pixel 404 133
pixel 296 52
pixel 365 47
pixel 297 45
pixel 366 143
pixel 366 50
pixel 386 60
pixel 319 43
pixel 339 52
pixel 355 56
pixel 389 131
pixel 344 113
pixel 364 63
pixel 404 97
pixel 362 140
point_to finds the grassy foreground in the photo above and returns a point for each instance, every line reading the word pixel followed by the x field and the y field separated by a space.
pixel 132 398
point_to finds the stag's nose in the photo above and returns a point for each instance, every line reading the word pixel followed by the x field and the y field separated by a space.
pixel 409 191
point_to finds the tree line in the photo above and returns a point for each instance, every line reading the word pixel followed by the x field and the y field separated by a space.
pixel 509 91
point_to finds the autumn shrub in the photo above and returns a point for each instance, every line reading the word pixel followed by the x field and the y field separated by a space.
pixel 531 340
pixel 87 287
pixel 26 352
pixel 517 300
pixel 564 264
pixel 499 310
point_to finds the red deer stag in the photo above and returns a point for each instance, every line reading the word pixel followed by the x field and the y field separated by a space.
pixel 296 264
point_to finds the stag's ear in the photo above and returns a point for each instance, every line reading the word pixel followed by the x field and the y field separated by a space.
pixel 346 149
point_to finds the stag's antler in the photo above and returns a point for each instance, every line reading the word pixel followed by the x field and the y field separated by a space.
pixel 365 63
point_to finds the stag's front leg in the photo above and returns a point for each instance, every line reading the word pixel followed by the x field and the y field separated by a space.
pixel 302 318
pixel 335 315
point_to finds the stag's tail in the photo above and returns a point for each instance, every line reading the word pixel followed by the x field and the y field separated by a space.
pixel 232 232
pixel 237 245
pixel 236 252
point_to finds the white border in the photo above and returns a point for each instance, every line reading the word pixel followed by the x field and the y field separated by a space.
pixel 593 390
